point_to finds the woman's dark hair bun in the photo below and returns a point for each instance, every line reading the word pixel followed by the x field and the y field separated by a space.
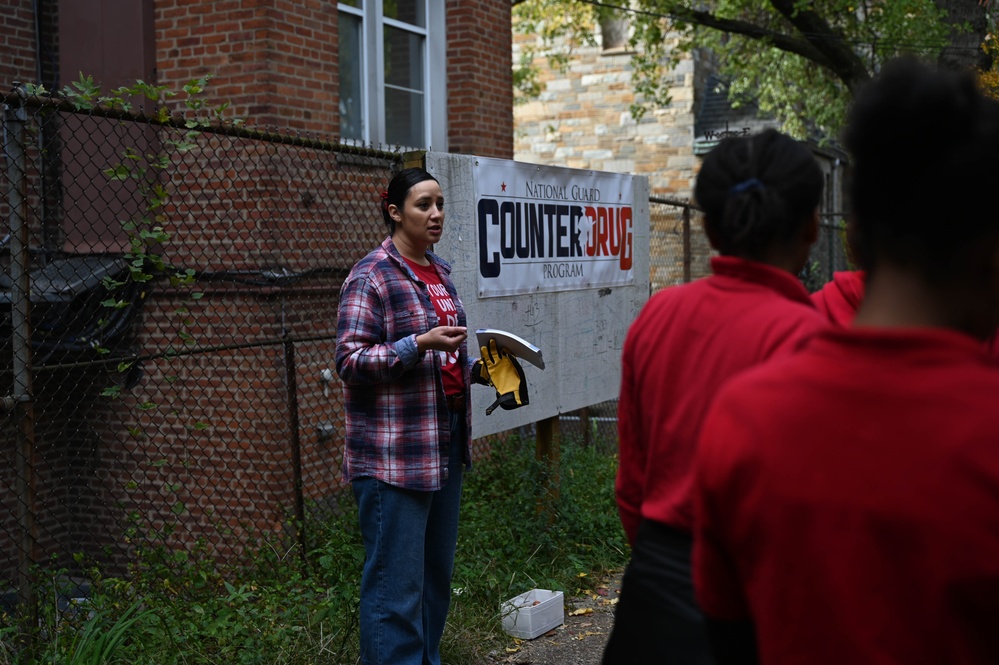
pixel 757 191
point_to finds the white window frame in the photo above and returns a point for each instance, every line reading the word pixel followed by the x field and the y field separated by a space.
pixel 373 25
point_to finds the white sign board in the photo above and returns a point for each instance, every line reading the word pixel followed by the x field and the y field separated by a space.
pixel 580 330
pixel 544 228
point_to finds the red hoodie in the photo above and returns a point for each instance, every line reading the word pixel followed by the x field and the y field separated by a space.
pixel 839 299
pixel 841 296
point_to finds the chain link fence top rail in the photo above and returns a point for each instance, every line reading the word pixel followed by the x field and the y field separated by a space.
pixel 183 292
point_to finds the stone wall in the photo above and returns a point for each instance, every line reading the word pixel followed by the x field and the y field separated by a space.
pixel 582 119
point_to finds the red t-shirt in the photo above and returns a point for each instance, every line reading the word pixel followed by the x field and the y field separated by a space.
pixel 447 314
pixel 848 501
pixel 687 341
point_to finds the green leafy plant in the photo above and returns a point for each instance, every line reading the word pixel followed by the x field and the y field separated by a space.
pixel 291 606
pixel 8 638
pixel 104 635
pixel 147 232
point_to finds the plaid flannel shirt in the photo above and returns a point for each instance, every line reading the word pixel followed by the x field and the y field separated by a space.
pixel 397 422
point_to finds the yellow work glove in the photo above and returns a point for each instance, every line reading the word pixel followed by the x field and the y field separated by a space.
pixel 507 377
pixel 480 374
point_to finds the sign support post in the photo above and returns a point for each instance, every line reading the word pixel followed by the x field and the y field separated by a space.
pixel 548 451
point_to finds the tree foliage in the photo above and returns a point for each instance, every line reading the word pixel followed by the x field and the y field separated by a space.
pixel 800 61
pixel 559 27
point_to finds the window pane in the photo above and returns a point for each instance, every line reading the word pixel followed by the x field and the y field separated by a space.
pixel 351 90
pixel 409 11
pixel 353 3
pixel 404 88
pixel 404 59
pixel 404 118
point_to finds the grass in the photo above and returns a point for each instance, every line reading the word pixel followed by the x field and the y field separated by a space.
pixel 512 538
pixel 178 607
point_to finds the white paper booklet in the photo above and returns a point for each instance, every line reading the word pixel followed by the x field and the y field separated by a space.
pixel 517 346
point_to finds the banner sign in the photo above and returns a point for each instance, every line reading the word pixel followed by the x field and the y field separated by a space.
pixel 545 228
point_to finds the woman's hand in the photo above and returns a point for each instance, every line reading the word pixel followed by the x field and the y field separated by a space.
pixel 442 338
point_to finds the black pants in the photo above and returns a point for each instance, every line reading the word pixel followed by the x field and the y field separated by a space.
pixel 657 618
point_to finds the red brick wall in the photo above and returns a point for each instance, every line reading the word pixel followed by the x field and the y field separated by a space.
pixel 210 451
pixel 273 60
pixel 240 207
pixel 90 36
pixel 17 43
pixel 277 61
pixel 480 79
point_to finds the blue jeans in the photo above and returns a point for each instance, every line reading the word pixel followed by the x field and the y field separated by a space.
pixel 409 543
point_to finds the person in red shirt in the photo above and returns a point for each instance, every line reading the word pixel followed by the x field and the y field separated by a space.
pixel 760 196
pixel 847 498
pixel 840 297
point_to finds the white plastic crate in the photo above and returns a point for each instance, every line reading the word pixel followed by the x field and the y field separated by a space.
pixel 533 613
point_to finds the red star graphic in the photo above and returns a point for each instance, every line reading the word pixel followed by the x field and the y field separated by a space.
pixel 503 186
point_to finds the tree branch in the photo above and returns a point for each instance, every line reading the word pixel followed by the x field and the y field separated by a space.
pixel 778 40
pixel 839 57
pixel 818 42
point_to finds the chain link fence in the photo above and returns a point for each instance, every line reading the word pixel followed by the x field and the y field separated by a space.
pixel 679 248
pixel 829 253
pixel 168 296
pixel 167 305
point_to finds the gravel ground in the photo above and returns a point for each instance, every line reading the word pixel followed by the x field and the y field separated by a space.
pixel 580 640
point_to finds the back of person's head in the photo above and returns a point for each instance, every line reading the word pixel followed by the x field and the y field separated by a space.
pixel 923 145
pixel 758 193
pixel 398 189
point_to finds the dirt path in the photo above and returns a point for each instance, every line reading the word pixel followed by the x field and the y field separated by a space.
pixel 580 640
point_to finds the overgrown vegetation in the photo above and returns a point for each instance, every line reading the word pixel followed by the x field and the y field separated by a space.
pixel 283 608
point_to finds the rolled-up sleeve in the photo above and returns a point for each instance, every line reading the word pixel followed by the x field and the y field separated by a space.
pixel 363 355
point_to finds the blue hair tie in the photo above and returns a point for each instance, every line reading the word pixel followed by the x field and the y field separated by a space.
pixel 745 186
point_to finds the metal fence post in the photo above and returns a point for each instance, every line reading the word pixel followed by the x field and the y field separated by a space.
pixel 830 252
pixel 20 400
pixel 291 377
pixel 686 244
